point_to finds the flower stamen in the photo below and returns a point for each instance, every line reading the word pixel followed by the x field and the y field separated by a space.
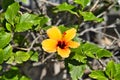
pixel 61 44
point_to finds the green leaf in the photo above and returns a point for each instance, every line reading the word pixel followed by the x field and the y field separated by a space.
pixel 90 49
pixel 24 78
pixel 0 67
pixel 11 74
pixel 8 27
pixel 43 21
pixel 82 2
pixel 11 12
pixel 94 51
pixel 89 16
pixel 26 22
pixel 4 39
pixel 97 74
pixel 63 28
pixel 11 59
pixel 103 53
pixel 117 75
pixel 76 72
pixel 23 26
pixel 65 7
pixel 30 18
pixel 19 39
pixel 7 52
pixel 79 55
pixel 6 3
pixel 110 70
pixel 34 56
pixel 1 56
pixel 24 1
pixel 21 56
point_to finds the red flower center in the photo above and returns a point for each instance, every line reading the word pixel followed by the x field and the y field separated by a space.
pixel 61 44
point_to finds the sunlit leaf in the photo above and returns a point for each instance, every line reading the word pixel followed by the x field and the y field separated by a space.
pixel 11 59
pixel 23 26
pixel 21 56
pixel 11 12
pixel 8 26
pixel 26 22
pixel 84 3
pixel 117 75
pixel 34 56
pixel 4 38
pixel 7 52
pixel 99 75
pixel 89 16
pixel 65 7
pixel 24 78
pixel 1 56
pixel 110 69
pixel 0 67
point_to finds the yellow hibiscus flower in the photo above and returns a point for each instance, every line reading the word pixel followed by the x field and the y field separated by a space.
pixel 60 42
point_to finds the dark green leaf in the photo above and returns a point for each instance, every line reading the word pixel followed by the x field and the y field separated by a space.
pixel 11 12
pixel 6 3
pixel 99 75
pixel 76 72
pixel 4 39
pixel 12 74
pixel 89 16
pixel 82 2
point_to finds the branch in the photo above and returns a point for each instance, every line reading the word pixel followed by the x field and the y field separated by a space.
pixel 48 57
pixel 48 2
pixel 94 6
pixel 32 44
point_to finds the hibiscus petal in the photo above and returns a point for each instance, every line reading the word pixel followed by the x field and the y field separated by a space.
pixel 49 45
pixel 69 34
pixel 73 44
pixel 63 52
pixel 54 33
